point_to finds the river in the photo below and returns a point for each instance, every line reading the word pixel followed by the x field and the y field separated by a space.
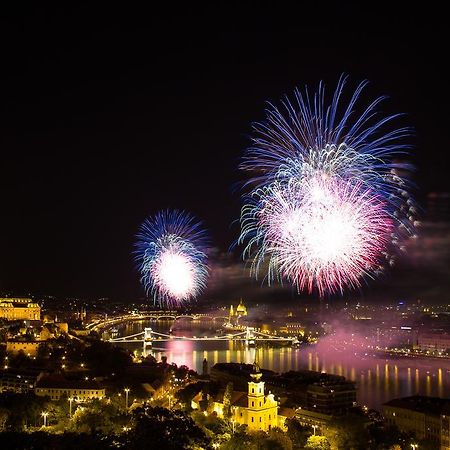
pixel 378 379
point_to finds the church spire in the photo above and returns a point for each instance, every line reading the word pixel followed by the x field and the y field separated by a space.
pixel 256 372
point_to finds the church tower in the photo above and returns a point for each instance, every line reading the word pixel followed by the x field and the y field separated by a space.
pixel 231 312
pixel 255 388
pixel 262 410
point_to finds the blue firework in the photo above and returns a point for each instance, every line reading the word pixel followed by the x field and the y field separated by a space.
pixel 171 253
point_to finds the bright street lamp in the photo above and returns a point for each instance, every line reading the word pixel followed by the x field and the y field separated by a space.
pixel 44 415
pixel 127 390
pixel 314 428
pixel 414 446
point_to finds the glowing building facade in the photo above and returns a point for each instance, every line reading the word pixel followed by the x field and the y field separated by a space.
pixel 19 309
pixel 252 408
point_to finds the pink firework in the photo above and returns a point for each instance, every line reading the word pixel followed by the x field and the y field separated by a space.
pixel 175 274
pixel 322 233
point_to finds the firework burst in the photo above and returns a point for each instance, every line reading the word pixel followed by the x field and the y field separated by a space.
pixel 322 233
pixel 328 205
pixel 171 252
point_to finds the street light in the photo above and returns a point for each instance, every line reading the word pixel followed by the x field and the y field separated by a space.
pixel 414 446
pixel 314 428
pixel 70 406
pixel 44 415
pixel 127 390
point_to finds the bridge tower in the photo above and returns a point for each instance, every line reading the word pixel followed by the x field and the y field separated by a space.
pixel 249 336
pixel 148 341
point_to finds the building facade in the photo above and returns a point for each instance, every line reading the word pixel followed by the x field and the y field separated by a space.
pixel 19 380
pixel 260 412
pixel 57 387
pixel 434 342
pixel 30 348
pixel 423 416
pixel 331 398
pixel 19 309
pixel 445 430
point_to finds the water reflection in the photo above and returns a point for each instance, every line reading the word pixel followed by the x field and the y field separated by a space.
pixel 378 380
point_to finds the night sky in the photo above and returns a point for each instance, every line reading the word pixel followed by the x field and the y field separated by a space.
pixel 110 115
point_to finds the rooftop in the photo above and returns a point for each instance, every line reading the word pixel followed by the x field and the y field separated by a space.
pixel 428 405
pixel 59 382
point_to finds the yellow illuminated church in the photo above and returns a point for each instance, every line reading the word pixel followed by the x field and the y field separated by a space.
pixel 253 408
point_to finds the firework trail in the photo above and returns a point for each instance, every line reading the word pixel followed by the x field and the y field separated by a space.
pixel 328 203
pixel 171 252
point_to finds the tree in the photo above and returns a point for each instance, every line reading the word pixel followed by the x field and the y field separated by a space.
pixel 317 443
pixel 105 359
pixel 98 416
pixel 278 439
pixel 4 415
pixel 23 410
pixel 240 441
pixel 165 429
pixel 227 400
pixel 297 433
pixel 349 431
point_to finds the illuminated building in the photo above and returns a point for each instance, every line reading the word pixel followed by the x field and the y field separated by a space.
pixel 235 314
pixel 30 348
pixel 241 310
pixel 57 387
pixel 253 408
pixel 434 342
pixel 19 309
pixel 19 380
pixel 426 417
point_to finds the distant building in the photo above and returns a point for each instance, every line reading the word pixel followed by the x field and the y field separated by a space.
pixel 30 348
pixel 434 342
pixel 236 314
pixel 252 408
pixel 19 309
pixel 19 380
pixel 290 328
pixel 426 417
pixel 332 398
pixel 445 431
pixel 57 387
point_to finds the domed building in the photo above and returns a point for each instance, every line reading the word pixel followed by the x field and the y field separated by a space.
pixel 241 310
pixel 237 313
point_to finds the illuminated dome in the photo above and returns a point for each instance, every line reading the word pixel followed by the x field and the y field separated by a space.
pixel 241 310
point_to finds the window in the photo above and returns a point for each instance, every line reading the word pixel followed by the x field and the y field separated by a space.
pixel 269 416
pixel 253 390
pixel 253 419
pixel 253 403
pixel 259 403
pixel 260 419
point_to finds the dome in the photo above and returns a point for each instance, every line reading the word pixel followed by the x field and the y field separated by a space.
pixel 241 309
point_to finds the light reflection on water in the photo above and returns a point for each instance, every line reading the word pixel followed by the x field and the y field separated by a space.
pixel 378 380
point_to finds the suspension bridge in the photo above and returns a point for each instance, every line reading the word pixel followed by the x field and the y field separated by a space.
pixel 100 324
pixel 249 336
